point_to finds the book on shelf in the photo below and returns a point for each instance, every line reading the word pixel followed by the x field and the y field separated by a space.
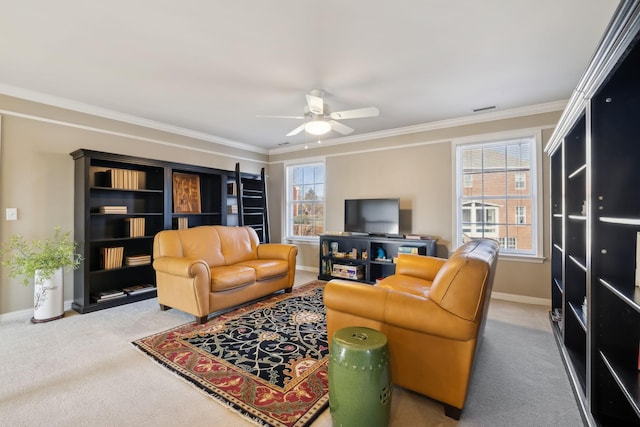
pixel 408 250
pixel 137 260
pixel 111 257
pixel 417 237
pixel 183 223
pixel 136 227
pixel 232 189
pixel 108 295
pixel 139 289
pixel 113 209
pixel 123 179
pixel 232 209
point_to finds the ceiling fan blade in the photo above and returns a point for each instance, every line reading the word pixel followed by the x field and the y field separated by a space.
pixel 267 116
pixel 355 114
pixel 316 104
pixel 340 128
pixel 296 130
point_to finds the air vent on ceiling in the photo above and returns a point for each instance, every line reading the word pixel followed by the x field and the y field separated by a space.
pixel 491 107
pixel 282 144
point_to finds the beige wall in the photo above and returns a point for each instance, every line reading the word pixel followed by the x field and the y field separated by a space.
pixel 418 168
pixel 36 176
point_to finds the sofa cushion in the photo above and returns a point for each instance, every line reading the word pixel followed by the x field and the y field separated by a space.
pixel 408 284
pixel 267 268
pixel 237 244
pixel 228 277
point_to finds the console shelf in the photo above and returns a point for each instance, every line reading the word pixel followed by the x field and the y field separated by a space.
pixel 373 256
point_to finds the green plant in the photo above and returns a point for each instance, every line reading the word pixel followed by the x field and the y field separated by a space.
pixel 23 258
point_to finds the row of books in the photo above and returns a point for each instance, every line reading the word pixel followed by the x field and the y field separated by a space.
pixel 136 227
pixel 112 257
pixel 137 260
pixel 124 179
pixel 113 209
pixel 183 223
pixel 112 294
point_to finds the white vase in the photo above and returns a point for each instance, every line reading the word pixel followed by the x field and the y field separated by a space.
pixel 48 297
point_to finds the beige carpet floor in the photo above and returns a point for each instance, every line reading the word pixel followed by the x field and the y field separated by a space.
pixel 83 371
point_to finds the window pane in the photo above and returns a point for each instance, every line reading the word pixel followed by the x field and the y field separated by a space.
pixel 494 159
pixel 495 195
pixel 305 200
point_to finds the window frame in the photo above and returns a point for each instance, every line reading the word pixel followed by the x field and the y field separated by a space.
pixel 535 188
pixel 288 198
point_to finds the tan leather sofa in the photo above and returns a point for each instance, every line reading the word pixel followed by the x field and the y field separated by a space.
pixel 433 312
pixel 205 269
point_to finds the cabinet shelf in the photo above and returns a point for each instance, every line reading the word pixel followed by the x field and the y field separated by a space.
pixel 621 221
pixel 580 262
pixel 558 284
pixel 631 296
pixel 626 380
pixel 581 170
pixel 125 190
pixel 580 315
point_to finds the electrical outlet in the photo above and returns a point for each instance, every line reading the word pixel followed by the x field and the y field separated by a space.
pixel 12 214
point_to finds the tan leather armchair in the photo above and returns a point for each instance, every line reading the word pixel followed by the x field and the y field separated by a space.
pixel 206 269
pixel 433 312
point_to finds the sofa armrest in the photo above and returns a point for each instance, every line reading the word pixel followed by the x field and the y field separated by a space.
pixel 423 267
pixel 283 251
pixel 181 267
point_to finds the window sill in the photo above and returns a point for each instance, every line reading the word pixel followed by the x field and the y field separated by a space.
pixel 535 259
pixel 303 240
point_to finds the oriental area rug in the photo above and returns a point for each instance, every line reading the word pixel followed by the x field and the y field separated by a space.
pixel 267 360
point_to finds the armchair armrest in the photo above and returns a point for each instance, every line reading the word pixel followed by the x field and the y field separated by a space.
pixel 423 267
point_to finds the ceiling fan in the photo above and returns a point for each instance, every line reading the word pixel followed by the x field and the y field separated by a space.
pixel 320 121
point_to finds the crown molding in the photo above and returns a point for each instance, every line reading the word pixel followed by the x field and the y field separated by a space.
pixel 80 107
pixel 441 124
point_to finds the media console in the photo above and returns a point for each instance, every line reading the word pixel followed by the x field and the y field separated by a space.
pixel 365 258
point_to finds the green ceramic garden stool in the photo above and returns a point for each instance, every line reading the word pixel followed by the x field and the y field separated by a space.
pixel 359 378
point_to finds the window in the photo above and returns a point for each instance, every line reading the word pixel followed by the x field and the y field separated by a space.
pixel 305 200
pixel 495 206
pixel 521 215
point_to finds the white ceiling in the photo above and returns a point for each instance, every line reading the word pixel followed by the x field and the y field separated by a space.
pixel 209 67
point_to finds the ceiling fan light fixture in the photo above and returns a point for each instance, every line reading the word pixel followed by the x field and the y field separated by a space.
pixel 317 127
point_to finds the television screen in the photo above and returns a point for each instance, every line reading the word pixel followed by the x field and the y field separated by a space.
pixel 372 216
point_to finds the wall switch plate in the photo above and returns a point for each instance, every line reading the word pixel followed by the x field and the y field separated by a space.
pixel 12 214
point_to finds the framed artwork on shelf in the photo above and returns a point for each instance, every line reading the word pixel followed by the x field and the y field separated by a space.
pixel 186 193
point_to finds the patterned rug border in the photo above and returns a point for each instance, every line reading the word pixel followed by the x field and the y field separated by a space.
pixel 241 408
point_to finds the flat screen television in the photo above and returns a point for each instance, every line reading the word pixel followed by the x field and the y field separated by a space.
pixel 372 216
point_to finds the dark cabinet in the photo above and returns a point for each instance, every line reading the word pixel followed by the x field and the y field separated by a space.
pixel 121 202
pixel 595 229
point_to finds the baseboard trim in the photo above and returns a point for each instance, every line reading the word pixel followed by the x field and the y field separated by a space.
pixel 521 299
pixel 26 314
pixel 305 268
